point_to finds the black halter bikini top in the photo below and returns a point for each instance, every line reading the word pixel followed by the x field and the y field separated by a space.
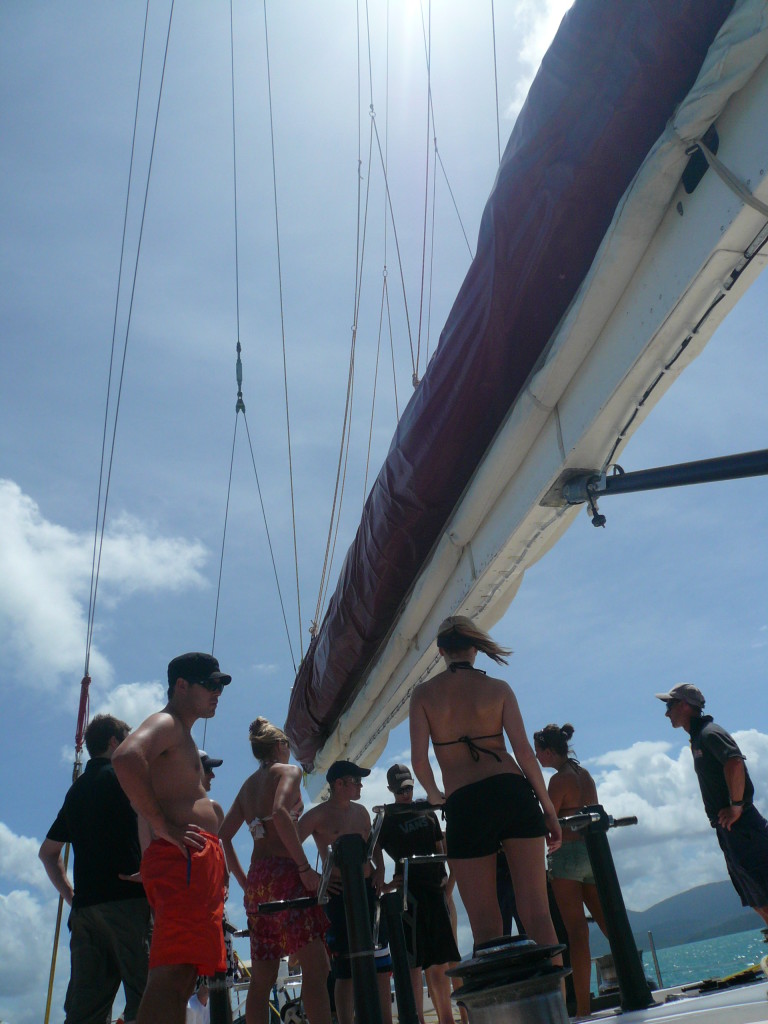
pixel 471 741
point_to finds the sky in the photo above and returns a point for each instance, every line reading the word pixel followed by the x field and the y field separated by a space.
pixel 673 589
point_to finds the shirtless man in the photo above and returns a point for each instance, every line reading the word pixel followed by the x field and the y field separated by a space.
pixel 183 868
pixel 341 816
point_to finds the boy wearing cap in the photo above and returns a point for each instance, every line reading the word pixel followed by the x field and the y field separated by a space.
pixel 209 763
pixel 339 816
pixel 409 830
pixel 183 868
pixel 727 792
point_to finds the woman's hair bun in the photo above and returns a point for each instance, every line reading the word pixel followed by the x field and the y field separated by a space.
pixel 567 730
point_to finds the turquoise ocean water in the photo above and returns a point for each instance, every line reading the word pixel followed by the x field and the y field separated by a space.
pixel 712 958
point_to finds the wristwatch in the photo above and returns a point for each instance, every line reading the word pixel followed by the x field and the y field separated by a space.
pixel 737 803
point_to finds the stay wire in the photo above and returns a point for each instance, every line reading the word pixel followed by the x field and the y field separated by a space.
pixel 397 243
pixel 128 326
pixel 234 171
pixel 496 82
pixel 282 328
pixel 439 158
pixel 269 540
pixel 431 268
pixel 375 385
pixel 92 595
pixel 428 33
pixel 341 467
pixel 224 536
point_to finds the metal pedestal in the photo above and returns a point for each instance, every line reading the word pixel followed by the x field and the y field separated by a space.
pixel 512 981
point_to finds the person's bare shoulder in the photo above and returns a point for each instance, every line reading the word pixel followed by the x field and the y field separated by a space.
pixel 563 790
pixel 219 813
pixel 156 734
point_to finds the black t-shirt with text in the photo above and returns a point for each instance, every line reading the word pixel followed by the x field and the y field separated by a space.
pixel 407 831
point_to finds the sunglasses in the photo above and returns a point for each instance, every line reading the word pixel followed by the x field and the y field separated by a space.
pixel 404 789
pixel 211 685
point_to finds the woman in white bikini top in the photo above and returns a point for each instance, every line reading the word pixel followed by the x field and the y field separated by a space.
pixel 269 804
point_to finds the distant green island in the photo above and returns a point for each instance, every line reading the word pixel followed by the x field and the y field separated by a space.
pixel 704 912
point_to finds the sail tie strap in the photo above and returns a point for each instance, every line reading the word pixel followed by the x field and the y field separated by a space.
pixel 729 178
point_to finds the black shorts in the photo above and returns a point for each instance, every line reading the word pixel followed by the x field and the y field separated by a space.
pixel 428 931
pixel 745 848
pixel 479 816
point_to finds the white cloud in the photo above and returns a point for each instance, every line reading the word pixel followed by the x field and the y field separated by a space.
pixel 132 702
pixel 672 848
pixel 538 21
pixel 45 572
pixel 19 862
pixel 26 940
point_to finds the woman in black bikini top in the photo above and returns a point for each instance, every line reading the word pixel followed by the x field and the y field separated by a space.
pixel 493 798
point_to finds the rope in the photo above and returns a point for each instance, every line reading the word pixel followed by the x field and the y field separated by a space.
pixel 224 533
pixel 496 82
pixel 428 43
pixel 397 243
pixel 729 178
pixel 101 510
pixel 56 934
pixel 375 384
pixel 346 429
pixel 92 594
pixel 238 366
pixel 125 344
pixel 431 268
pixel 269 541
pixel 282 329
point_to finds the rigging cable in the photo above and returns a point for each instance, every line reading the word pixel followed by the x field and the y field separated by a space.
pixel 496 82
pixel 282 328
pixel 438 159
pixel 384 289
pixel 346 432
pixel 428 33
pixel 98 537
pixel 240 406
pixel 127 334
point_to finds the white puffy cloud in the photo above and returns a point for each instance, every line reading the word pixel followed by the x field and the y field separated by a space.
pixel 673 847
pixel 19 862
pixel 26 943
pixel 45 572
pixel 538 21
pixel 131 702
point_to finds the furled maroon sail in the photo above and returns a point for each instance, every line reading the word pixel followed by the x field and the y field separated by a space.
pixel 605 90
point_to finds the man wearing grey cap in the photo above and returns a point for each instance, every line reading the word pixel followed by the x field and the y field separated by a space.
pixel 727 792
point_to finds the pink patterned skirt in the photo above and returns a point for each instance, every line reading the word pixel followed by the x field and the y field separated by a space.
pixel 277 935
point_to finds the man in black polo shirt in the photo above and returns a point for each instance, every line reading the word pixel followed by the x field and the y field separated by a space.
pixel 727 792
pixel 109 922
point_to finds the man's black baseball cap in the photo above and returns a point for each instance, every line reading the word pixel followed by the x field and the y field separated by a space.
pixel 196 668
pixel 339 769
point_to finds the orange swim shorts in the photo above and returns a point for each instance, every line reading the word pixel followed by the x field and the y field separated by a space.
pixel 187 899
